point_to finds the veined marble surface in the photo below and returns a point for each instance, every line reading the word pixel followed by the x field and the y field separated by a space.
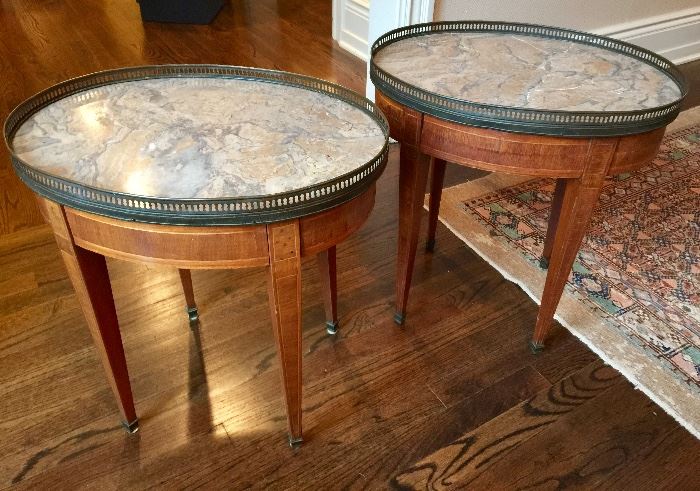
pixel 198 138
pixel 527 72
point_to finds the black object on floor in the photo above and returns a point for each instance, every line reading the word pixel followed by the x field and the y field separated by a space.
pixel 180 11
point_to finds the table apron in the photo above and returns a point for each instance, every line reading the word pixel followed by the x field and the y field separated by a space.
pixel 535 155
pixel 513 153
pixel 185 247
pixel 219 247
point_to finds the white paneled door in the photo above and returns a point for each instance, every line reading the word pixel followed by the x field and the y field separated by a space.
pixel 358 23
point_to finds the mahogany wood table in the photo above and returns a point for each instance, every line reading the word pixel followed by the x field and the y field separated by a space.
pixel 521 99
pixel 200 166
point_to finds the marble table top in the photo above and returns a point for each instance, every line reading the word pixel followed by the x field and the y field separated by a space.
pixel 198 138
pixel 522 71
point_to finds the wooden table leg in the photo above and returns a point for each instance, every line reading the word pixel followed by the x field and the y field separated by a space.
pixel 327 270
pixel 191 306
pixel 413 176
pixel 88 273
pixel 552 225
pixel 284 285
pixel 437 177
pixel 580 196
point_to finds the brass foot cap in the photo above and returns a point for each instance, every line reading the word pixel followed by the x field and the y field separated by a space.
pixel 331 327
pixel 132 427
pixel 295 442
pixel 399 318
pixel 192 313
pixel 535 347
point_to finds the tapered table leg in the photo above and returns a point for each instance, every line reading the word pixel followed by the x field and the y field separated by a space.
pixel 284 284
pixel 413 175
pixel 88 273
pixel 579 197
pixel 554 214
pixel 327 270
pixel 191 306
pixel 437 177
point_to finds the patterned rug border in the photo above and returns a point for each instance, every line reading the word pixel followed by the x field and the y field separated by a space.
pixel 613 347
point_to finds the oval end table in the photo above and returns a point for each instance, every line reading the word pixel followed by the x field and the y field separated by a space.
pixel 521 99
pixel 200 166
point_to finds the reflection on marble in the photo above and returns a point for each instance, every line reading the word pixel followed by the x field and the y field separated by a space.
pixel 527 72
pixel 198 138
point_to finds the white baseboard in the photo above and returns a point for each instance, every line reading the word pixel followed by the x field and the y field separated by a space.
pixel 353 27
pixel 675 35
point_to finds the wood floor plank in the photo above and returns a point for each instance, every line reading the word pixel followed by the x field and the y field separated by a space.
pixel 563 357
pixel 670 463
pixel 621 430
pixel 465 460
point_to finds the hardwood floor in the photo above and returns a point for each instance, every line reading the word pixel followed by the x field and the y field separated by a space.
pixel 454 397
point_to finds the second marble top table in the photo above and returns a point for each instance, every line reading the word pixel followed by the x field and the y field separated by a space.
pixel 200 166
pixel 521 99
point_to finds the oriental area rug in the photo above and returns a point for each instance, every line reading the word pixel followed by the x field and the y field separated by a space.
pixel 633 295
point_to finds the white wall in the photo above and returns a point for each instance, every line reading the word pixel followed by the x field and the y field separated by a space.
pixel 584 15
pixel 668 27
